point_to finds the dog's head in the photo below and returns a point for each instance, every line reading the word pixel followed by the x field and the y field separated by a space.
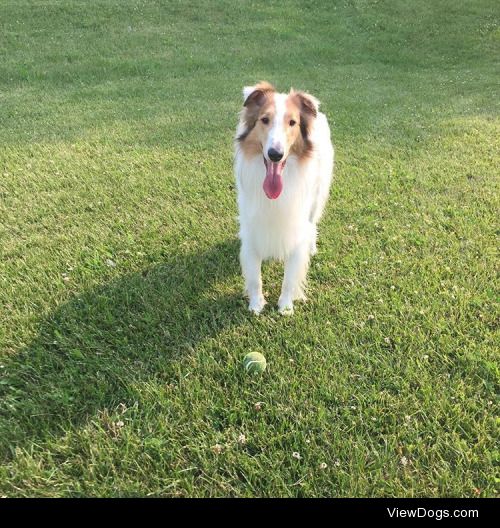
pixel 276 125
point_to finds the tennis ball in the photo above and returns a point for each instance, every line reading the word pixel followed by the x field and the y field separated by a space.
pixel 255 363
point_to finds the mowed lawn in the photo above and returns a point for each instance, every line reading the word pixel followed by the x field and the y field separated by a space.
pixel 122 322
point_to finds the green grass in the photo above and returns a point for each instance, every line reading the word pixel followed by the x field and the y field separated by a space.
pixel 119 378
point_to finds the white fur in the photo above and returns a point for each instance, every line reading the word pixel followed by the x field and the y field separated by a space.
pixel 277 135
pixel 284 228
pixel 247 90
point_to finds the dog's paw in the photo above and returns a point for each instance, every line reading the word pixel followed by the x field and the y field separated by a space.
pixel 256 305
pixel 300 296
pixel 285 306
pixel 286 310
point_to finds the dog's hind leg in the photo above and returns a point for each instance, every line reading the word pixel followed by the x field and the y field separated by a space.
pixel 313 237
pixel 322 191
pixel 295 277
pixel 251 267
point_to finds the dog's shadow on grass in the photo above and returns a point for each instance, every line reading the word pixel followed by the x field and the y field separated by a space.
pixel 91 353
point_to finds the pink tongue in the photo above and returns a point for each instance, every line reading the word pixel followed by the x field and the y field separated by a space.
pixel 273 184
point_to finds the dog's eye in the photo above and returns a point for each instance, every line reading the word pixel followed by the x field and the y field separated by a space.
pixel 265 120
pixel 292 122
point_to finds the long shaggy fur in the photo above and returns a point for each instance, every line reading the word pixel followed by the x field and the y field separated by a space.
pixel 284 228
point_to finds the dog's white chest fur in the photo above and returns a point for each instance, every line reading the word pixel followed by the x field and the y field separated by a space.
pixel 274 227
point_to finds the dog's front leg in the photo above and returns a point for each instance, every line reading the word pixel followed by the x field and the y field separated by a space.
pixel 296 265
pixel 251 266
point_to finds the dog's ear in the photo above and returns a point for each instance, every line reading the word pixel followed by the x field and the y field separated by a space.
pixel 247 90
pixel 254 98
pixel 309 105
pixel 257 94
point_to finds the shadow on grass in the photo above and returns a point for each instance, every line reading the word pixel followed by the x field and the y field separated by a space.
pixel 91 353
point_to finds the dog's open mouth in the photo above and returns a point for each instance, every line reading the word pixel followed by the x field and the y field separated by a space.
pixel 273 184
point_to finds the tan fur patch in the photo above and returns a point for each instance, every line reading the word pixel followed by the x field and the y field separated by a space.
pixel 259 103
pixel 306 104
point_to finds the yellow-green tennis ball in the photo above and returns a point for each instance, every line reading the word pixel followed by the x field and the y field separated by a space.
pixel 254 363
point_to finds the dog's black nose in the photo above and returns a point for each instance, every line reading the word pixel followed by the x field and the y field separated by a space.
pixel 274 155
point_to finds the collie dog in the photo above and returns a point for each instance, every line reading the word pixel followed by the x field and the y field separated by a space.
pixel 283 167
